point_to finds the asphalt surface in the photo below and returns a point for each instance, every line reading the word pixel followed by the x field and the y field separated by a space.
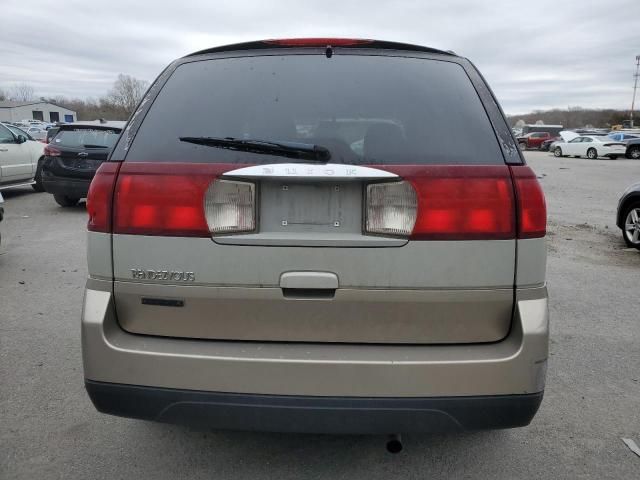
pixel 49 429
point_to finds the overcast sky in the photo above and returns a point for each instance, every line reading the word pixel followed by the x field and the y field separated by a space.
pixel 535 54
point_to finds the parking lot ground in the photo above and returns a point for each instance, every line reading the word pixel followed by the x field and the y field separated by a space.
pixel 49 429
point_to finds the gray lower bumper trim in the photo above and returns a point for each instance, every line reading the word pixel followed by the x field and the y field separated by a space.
pixel 338 415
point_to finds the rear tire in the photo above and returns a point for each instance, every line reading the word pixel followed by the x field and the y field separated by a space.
pixel 523 146
pixel 634 153
pixel 557 152
pixel 592 154
pixel 38 187
pixel 628 234
pixel 65 201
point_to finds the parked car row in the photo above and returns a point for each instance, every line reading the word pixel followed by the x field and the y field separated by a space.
pixel 38 129
pixel 34 124
pixel 590 146
pixel 65 166
pixel 584 143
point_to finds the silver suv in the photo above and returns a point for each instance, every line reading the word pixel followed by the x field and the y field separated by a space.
pixel 287 237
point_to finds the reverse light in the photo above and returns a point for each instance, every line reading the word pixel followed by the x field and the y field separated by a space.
pixel 391 208
pixel 230 207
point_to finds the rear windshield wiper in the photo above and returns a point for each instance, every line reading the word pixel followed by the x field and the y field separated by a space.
pixel 301 151
pixel 95 146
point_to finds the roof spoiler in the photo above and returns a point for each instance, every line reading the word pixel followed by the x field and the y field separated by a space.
pixel 322 43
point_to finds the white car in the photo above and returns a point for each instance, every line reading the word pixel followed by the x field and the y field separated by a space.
pixel 20 158
pixel 37 133
pixel 34 123
pixel 589 146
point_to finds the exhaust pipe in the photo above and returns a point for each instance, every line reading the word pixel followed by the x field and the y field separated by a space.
pixel 394 443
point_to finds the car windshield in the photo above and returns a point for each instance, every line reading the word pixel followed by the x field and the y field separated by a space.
pixel 363 109
pixel 82 137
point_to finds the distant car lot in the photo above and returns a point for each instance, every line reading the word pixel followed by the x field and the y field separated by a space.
pixel 51 430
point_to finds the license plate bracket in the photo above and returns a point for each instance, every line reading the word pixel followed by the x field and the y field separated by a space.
pixel 310 206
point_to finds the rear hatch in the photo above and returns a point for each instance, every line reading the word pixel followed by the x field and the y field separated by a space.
pixel 231 223
pixel 78 150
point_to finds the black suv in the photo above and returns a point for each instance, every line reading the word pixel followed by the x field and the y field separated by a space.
pixel 74 155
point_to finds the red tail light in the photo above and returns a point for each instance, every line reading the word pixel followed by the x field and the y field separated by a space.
pixel 100 197
pixel 462 202
pixel 453 202
pixel 532 209
pixel 163 198
pixel 318 42
pixel 50 151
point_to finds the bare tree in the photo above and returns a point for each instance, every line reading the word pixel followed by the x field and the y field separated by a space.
pixel 126 93
pixel 21 92
pixel 3 95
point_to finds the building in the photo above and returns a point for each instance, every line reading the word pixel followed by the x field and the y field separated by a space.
pixel 11 111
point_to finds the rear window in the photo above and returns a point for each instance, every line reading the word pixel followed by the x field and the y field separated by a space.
pixel 52 132
pixel 87 137
pixel 364 109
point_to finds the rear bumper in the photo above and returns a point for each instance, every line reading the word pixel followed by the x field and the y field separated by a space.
pixel 71 187
pixel 201 377
pixel 305 414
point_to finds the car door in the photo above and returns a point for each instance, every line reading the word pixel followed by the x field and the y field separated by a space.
pixel 538 139
pixel 585 145
pixel 15 158
pixel 573 146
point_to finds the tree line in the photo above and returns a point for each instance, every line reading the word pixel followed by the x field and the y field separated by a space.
pixel 117 104
pixel 574 117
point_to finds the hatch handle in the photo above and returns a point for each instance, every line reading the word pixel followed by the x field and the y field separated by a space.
pixel 309 280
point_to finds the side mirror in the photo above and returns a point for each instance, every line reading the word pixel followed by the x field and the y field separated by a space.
pixel 21 139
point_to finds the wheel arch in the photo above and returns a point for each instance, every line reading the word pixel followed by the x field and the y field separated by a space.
pixel 634 146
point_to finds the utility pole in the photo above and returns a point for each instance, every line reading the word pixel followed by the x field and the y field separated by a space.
pixel 635 87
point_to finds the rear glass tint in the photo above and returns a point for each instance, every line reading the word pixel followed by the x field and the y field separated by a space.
pixel 86 137
pixel 364 109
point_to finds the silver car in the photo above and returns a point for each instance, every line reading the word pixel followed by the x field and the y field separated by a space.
pixel 281 241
